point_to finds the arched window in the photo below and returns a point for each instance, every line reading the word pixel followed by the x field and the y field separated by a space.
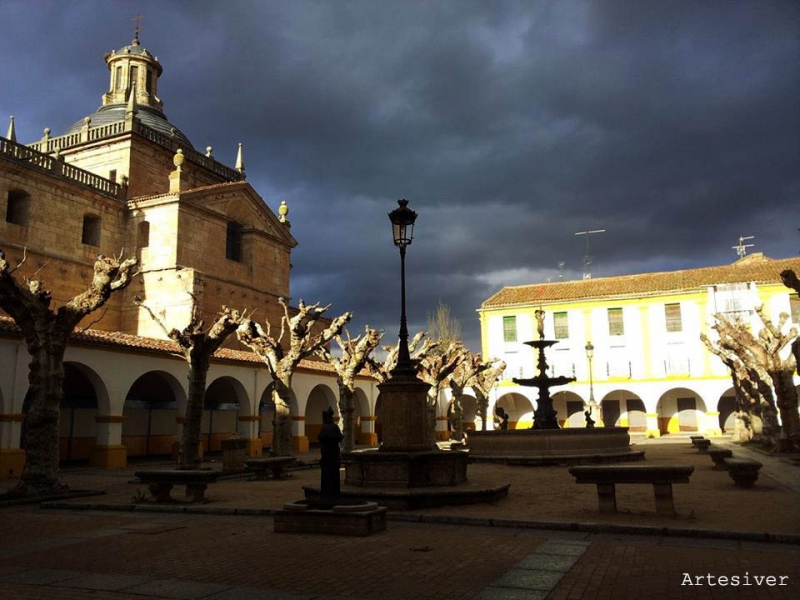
pixel 18 210
pixel 143 237
pixel 233 242
pixel 91 230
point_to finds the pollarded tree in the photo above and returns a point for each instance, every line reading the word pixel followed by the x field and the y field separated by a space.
pixel 435 363
pixel 47 332
pixel 382 371
pixel 755 402
pixel 283 361
pixel 763 354
pixel 478 375
pixel 354 355
pixel 459 380
pixel 482 384
pixel 791 281
pixel 197 347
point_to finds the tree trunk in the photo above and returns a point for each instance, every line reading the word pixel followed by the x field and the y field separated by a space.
pixel 282 426
pixel 190 440
pixel 41 476
pixel 347 410
pixel 458 419
pixel 786 399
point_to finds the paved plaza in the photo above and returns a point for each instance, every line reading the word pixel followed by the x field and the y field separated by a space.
pixel 109 547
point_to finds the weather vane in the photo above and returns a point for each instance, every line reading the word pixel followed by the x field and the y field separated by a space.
pixel 136 27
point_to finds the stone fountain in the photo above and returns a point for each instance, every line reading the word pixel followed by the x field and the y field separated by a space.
pixel 545 442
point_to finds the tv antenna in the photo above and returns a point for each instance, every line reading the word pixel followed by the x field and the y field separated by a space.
pixel 587 258
pixel 741 249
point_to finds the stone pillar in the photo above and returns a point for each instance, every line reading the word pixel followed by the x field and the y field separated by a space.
pixel 712 424
pixel 248 429
pixel 442 434
pixel 652 430
pixel 404 406
pixel 12 457
pixel 109 453
pixel 367 435
pixel 299 439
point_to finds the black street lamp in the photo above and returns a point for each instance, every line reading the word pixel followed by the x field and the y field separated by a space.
pixel 590 356
pixel 403 219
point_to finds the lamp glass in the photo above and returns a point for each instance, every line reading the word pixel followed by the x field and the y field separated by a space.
pixel 589 350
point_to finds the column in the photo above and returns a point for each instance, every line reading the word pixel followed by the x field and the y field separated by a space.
pixel 248 429
pixel 652 430
pixel 299 439
pixel 712 428
pixel 442 434
pixel 12 457
pixel 109 453
pixel 367 435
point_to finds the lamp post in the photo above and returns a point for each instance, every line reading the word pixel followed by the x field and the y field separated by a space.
pixel 590 356
pixel 403 219
pixel 592 403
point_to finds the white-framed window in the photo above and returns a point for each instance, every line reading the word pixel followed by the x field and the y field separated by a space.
pixel 510 329
pixel 616 325
pixel 672 315
pixel 561 325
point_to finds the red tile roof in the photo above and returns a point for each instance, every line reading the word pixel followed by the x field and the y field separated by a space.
pixel 124 341
pixel 754 268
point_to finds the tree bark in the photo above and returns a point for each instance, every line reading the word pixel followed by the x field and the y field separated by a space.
pixel 47 334
pixel 193 418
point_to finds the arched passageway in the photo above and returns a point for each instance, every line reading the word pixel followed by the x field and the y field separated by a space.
pixel 320 399
pixel 151 410
pixel 623 408
pixel 519 409
pixel 221 406
pixel 569 407
pixel 681 410
pixel 79 407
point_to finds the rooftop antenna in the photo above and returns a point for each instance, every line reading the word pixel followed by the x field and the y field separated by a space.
pixel 741 249
pixel 561 265
pixel 587 258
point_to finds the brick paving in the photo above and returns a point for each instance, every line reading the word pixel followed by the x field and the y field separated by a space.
pixel 112 555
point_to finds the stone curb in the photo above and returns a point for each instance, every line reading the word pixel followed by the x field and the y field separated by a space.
pixel 678 532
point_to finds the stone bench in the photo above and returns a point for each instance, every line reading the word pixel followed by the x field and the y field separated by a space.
pixel 607 476
pixel 160 483
pixel 718 455
pixel 743 471
pixel 702 445
pixel 275 464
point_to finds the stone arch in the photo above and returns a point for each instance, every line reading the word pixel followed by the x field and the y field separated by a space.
pixel 320 399
pixel 225 397
pixel 570 407
pixel 681 410
pixel 470 416
pixel 85 396
pixel 519 409
pixel 361 406
pixel 152 405
pixel 726 405
pixel 623 408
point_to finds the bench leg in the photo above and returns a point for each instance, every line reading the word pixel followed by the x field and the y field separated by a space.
pixel 277 472
pixel 607 497
pixel 261 475
pixel 195 492
pixel 665 506
pixel 160 491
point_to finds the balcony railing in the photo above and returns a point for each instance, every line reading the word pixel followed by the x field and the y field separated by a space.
pixel 90 134
pixel 59 168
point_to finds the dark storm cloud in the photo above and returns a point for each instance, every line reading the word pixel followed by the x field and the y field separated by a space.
pixel 508 125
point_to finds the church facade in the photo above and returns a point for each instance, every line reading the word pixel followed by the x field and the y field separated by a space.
pixel 125 179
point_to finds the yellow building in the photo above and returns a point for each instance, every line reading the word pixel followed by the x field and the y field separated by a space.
pixel 649 369
pixel 124 177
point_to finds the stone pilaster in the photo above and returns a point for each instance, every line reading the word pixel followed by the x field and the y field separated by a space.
pixel 299 439
pixel 248 428
pixel 109 453
pixel 652 430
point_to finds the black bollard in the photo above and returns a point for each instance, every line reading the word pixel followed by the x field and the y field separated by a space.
pixel 329 463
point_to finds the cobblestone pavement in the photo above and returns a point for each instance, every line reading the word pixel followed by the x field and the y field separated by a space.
pixel 126 555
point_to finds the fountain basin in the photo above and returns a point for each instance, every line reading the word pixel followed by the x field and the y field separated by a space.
pixel 405 469
pixel 553 446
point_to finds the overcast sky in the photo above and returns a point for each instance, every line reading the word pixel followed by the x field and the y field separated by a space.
pixel 509 126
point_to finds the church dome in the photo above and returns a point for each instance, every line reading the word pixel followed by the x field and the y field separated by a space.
pixel 133 87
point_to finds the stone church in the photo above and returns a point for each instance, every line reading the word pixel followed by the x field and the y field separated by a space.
pixel 125 178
